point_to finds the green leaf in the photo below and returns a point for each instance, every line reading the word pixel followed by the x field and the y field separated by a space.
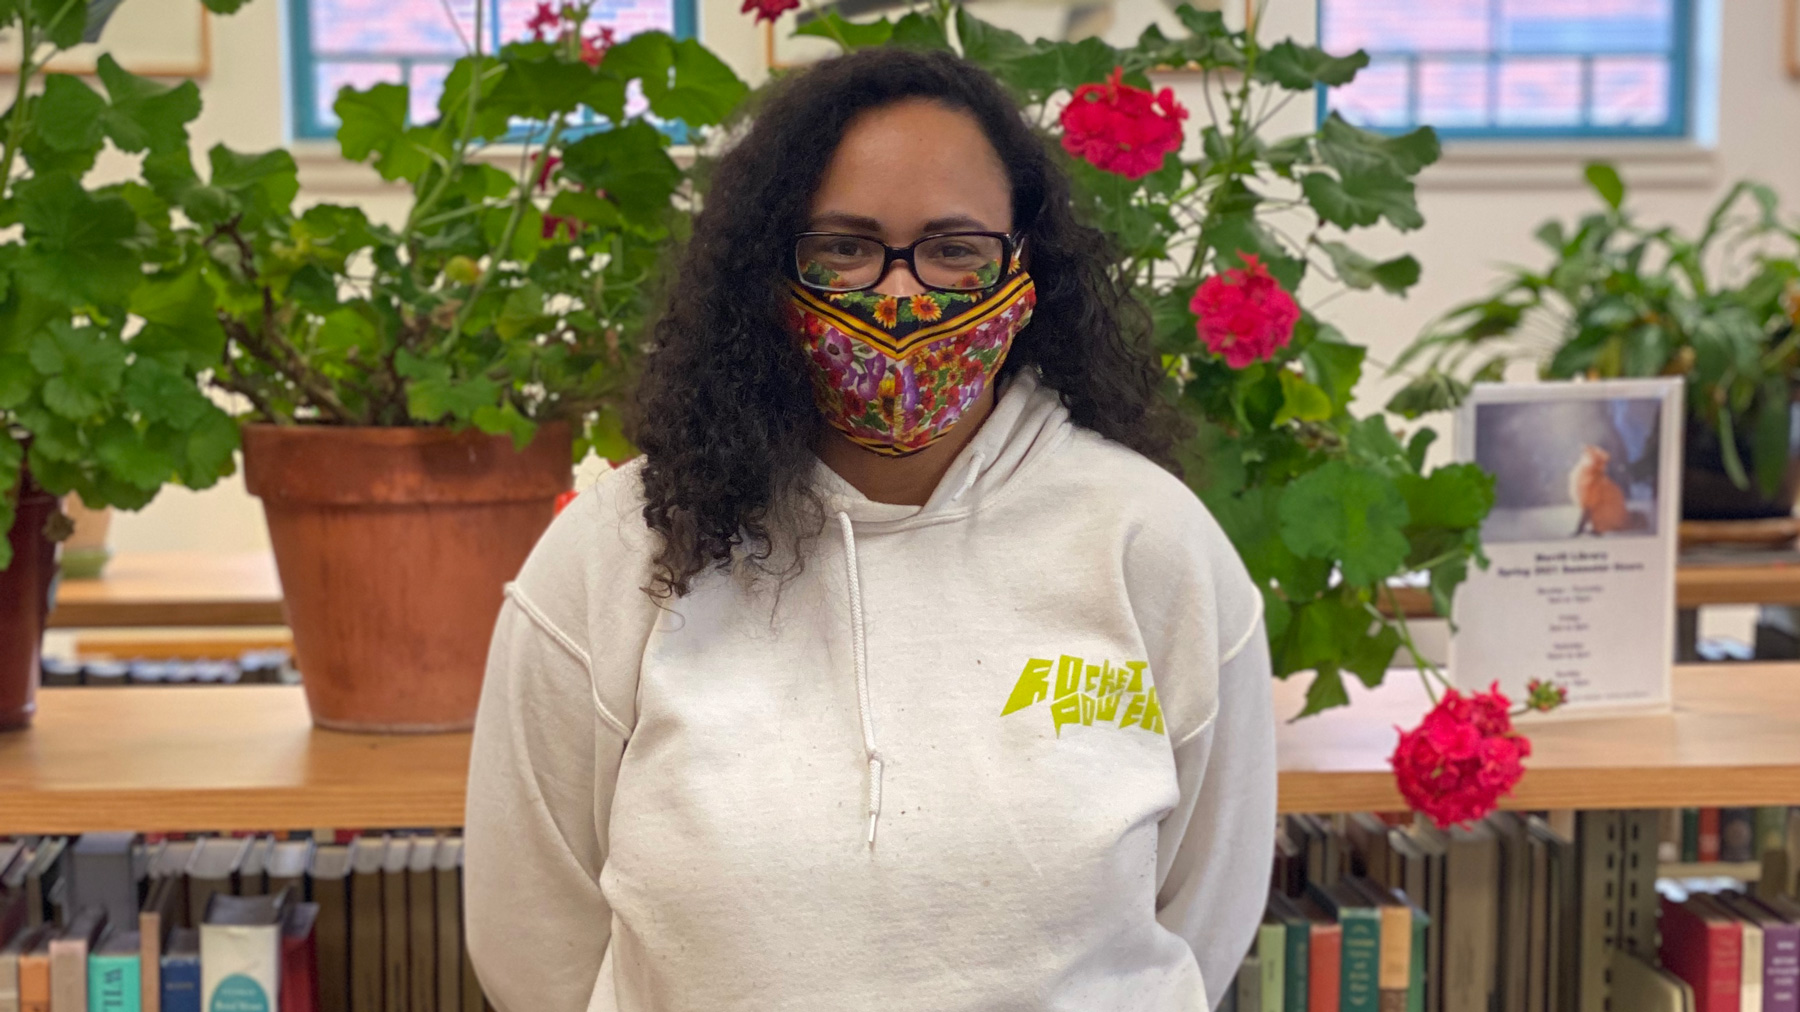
pixel 77 253
pixel 1360 272
pixel 453 101
pixel 160 393
pixel 1301 68
pixel 1454 496
pixel 606 436
pixel 1325 692
pixel 1301 400
pixel 1360 200
pixel 542 89
pixel 210 446
pixel 131 459
pixel 144 115
pixel 347 333
pixel 857 35
pixel 62 21
pixel 505 420
pixel 630 164
pixel 12 457
pixel 1348 514
pixel 263 183
pixel 371 121
pixel 1335 367
pixel 67 115
pixel 523 309
pixel 1606 182
pixel 918 30
pixel 1353 151
pixel 986 45
pixel 179 306
pixel 585 207
pixel 704 90
pixel 1769 439
pixel 224 6
pixel 1427 393
pixel 18 380
pixel 84 366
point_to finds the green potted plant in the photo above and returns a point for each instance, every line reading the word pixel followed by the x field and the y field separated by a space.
pixel 1620 299
pixel 85 408
pixel 418 391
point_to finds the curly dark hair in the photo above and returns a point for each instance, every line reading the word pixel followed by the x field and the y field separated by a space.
pixel 724 410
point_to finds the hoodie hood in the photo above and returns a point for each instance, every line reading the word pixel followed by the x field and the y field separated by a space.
pixel 1028 423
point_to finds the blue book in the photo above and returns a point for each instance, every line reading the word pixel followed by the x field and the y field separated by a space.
pixel 181 972
pixel 1361 952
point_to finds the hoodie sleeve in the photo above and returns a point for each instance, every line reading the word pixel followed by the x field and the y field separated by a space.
pixel 1222 832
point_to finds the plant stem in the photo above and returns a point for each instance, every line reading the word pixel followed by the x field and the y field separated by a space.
pixel 16 116
pixel 504 246
pixel 458 154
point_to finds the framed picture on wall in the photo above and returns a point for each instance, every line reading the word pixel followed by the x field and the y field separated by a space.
pixel 153 38
pixel 1790 37
pixel 1117 22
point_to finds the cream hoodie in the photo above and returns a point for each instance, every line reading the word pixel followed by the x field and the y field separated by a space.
pixel 1011 750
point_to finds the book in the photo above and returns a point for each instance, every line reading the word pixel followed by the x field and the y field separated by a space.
pixel 421 924
pixel 1271 958
pixel 1737 834
pixel 299 956
pixel 240 952
pixel 1415 989
pixel 211 870
pixel 1359 967
pixel 252 876
pixel 69 958
pixel 1668 844
pixel 1323 960
pixel 1393 967
pixel 286 867
pixel 448 886
pixel 1290 864
pixel 1515 900
pixel 1471 919
pixel 367 983
pixel 1423 850
pixel 114 973
pixel 181 971
pixel 22 943
pixel 395 936
pixel 34 971
pixel 1771 830
pixel 1709 837
pixel 1366 838
pixel 101 874
pixel 473 999
pixel 1537 924
pixel 1247 986
pixel 1690 835
pixel 43 877
pixel 1562 916
pixel 1639 987
pixel 331 891
pixel 1297 930
pixel 1750 952
pixel 1704 949
pixel 169 871
pixel 1780 952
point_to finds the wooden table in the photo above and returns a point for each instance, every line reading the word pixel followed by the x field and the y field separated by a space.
pixel 246 757
pixel 174 589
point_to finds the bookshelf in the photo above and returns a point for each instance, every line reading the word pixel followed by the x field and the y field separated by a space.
pixel 246 757
pixel 174 589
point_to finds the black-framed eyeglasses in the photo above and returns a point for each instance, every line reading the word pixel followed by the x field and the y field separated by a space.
pixel 946 261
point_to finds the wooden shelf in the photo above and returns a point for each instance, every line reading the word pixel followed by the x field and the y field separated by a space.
pixel 174 589
pixel 246 757
pixel 1764 578
pixel 1733 739
pixel 217 758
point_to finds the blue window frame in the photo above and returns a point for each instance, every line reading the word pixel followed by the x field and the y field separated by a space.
pixel 332 43
pixel 1515 68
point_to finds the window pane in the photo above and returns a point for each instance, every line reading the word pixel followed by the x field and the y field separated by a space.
pixel 1406 25
pixel 1540 92
pixel 329 77
pixel 347 27
pixel 1590 26
pixel 1378 96
pixel 1454 93
pixel 1631 92
pixel 427 84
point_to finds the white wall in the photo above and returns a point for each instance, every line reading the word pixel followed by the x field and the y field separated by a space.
pixel 1481 203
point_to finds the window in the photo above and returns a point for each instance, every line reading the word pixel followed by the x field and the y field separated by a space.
pixel 1515 68
pixel 333 43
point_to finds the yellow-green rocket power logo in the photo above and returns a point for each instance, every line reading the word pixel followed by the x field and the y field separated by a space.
pixel 1089 694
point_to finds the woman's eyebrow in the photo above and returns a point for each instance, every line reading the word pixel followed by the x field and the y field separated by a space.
pixel 845 220
pixel 955 223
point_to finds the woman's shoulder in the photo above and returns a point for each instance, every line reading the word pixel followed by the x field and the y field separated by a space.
pixel 598 549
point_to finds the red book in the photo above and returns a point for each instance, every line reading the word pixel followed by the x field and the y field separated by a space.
pixel 1709 834
pixel 299 960
pixel 1323 954
pixel 1703 946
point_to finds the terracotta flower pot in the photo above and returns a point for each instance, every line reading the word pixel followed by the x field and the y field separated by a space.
pixel 25 603
pixel 394 546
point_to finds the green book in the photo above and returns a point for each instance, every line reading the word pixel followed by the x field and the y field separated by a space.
pixel 113 974
pixel 1690 835
pixel 1415 993
pixel 1299 950
pixel 1271 954
pixel 1360 956
pixel 1771 830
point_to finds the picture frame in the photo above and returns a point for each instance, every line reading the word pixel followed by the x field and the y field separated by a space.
pixel 150 38
pixel 1790 38
pixel 1581 542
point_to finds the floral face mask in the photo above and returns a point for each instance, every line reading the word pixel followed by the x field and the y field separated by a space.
pixel 895 373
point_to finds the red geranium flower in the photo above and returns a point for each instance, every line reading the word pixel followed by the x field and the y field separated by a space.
pixel 1122 129
pixel 594 47
pixel 563 499
pixel 547 20
pixel 1244 314
pixel 1461 759
pixel 768 9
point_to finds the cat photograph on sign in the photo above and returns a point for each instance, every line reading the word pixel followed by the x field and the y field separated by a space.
pixel 1579 590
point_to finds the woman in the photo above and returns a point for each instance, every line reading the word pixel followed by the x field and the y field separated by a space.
pixel 895 674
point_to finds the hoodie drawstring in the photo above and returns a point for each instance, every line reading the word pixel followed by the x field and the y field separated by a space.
pixel 860 645
pixel 968 481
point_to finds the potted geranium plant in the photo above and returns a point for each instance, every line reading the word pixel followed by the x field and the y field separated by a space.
pixel 418 392
pixel 1216 238
pixel 1618 298
pixel 84 408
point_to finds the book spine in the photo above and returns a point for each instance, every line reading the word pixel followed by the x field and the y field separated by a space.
pixel 1751 964
pixel 1781 968
pixel 1293 988
pixel 1708 848
pixel 1394 971
pixel 1324 960
pixel 180 984
pixel 1724 969
pixel 1415 989
pixel 1771 829
pixel 1271 951
pixel 1690 835
pixel 1359 987
pixel 113 984
pixel 1737 834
